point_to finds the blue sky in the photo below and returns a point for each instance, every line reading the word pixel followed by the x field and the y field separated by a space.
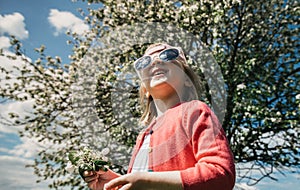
pixel 37 22
pixel 36 15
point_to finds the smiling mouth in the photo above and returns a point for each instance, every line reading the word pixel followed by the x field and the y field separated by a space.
pixel 158 72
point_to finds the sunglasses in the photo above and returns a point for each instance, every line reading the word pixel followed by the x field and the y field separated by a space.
pixel 165 56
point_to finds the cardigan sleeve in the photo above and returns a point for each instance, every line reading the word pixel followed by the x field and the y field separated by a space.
pixel 214 169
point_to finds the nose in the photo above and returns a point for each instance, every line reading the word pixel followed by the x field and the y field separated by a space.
pixel 156 60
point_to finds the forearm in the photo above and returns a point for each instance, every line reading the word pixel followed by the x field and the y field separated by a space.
pixel 148 181
pixel 164 180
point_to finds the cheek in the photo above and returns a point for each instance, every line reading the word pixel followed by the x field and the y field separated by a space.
pixel 178 76
pixel 144 75
pixel 177 71
pixel 145 80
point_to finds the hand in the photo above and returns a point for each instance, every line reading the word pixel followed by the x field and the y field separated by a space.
pixel 127 182
pixel 97 179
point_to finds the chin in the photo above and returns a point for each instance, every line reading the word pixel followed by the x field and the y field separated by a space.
pixel 157 82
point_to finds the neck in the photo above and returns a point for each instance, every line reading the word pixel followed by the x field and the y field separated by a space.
pixel 162 105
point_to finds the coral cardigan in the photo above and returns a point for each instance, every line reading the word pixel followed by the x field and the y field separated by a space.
pixel 189 138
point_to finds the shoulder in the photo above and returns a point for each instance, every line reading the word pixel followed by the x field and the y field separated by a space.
pixel 195 112
pixel 197 117
pixel 196 106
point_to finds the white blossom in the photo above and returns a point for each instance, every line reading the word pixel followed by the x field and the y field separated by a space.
pixel 87 159
pixel 248 114
pixel 194 7
pixel 236 2
pixel 105 151
pixel 70 167
pixel 241 86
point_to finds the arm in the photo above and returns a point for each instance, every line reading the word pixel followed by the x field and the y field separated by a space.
pixel 214 168
pixel 147 181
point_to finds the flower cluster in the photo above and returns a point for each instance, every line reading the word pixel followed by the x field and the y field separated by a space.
pixel 87 160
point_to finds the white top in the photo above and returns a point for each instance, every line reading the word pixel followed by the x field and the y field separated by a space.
pixel 140 163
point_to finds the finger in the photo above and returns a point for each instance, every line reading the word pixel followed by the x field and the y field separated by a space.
pixel 100 172
pixel 120 181
pixel 93 185
pixel 125 187
pixel 90 178
pixel 88 173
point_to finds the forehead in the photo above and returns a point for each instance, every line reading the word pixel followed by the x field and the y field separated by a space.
pixel 155 49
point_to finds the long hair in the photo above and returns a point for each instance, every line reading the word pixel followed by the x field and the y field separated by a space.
pixel 194 91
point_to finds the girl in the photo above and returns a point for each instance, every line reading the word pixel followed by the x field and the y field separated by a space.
pixel 183 145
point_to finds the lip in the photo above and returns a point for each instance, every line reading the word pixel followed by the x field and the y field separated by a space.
pixel 157 70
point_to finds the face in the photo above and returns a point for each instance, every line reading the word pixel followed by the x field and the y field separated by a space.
pixel 160 78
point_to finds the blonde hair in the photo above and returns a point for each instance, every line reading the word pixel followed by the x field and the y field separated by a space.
pixel 148 107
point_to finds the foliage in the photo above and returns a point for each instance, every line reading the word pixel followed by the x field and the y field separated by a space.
pixel 255 43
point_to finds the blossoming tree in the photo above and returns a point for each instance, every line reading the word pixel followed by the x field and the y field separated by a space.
pixel 255 44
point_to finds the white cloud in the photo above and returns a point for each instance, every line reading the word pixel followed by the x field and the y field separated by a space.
pixel 20 108
pixel 4 42
pixel 243 186
pixel 13 24
pixel 288 178
pixel 13 162
pixel 28 149
pixel 11 65
pixel 14 175
pixel 64 21
pixel 286 181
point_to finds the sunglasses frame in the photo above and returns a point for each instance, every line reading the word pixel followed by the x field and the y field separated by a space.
pixel 138 68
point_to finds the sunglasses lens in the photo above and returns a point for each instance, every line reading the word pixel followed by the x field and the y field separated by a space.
pixel 169 54
pixel 166 55
pixel 142 62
